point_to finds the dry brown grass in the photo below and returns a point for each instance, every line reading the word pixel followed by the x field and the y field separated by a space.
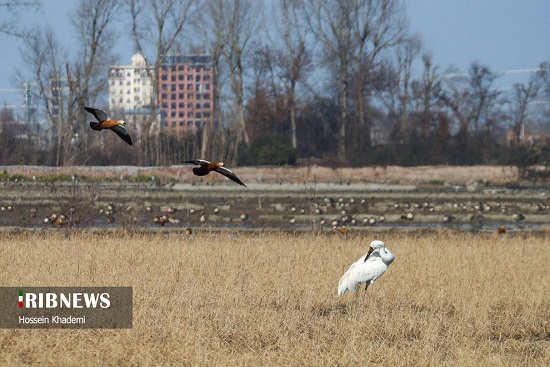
pixel 233 299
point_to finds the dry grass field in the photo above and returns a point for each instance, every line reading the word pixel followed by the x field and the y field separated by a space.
pixel 269 299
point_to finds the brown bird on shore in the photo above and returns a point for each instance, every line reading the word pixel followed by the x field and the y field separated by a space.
pixel 106 123
pixel 206 167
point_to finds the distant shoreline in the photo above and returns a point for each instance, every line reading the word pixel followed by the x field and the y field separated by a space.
pixel 438 175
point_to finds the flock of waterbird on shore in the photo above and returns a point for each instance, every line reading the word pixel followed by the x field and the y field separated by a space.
pixel 366 270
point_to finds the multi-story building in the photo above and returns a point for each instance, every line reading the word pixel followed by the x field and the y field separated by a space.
pixel 131 90
pixel 186 92
pixel 57 95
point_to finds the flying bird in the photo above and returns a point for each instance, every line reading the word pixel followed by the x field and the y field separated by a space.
pixel 206 167
pixel 106 123
pixel 367 269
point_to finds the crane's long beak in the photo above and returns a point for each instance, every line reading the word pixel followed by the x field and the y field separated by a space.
pixel 368 253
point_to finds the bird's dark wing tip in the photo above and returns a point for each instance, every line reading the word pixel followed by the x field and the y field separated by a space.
pixel 123 134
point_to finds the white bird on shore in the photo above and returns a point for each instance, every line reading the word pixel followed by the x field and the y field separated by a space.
pixel 367 269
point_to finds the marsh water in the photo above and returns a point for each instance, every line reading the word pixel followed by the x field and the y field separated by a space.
pixel 358 207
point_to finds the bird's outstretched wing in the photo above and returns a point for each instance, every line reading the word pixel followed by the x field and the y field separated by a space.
pixel 100 115
pixel 197 161
pixel 227 173
pixel 121 131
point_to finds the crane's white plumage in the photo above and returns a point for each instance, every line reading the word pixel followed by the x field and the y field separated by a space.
pixel 367 269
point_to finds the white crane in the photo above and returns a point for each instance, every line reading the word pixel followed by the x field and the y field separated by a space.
pixel 367 269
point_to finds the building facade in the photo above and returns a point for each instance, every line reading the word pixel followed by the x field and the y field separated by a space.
pixel 131 86
pixel 131 91
pixel 186 93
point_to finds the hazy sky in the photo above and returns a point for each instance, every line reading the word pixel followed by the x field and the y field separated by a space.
pixel 502 34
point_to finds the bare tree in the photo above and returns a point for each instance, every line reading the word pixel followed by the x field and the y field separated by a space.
pixel 94 22
pixel 471 98
pixel 426 93
pixel 354 34
pixel 10 25
pixel 47 61
pixel 294 59
pixel 242 22
pixel 159 24
pixel 395 89
pixel 543 79
pixel 214 36
pixel 523 95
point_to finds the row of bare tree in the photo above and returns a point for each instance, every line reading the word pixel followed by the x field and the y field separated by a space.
pixel 335 79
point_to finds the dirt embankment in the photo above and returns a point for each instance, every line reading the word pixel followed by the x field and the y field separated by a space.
pixel 285 174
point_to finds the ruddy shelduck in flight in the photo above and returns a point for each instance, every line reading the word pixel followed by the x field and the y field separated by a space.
pixel 206 167
pixel 106 123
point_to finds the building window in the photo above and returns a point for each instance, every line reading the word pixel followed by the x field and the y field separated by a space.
pixel 173 123
pixel 180 86
pixel 180 105
pixel 182 123
pixel 190 96
pixel 190 114
pixel 198 124
pixel 207 87
pixel 173 78
pixel 189 77
pixel 180 95
pixel 180 114
pixel 173 97
pixel 206 95
pixel 206 77
pixel 180 77
pixel 173 87
pixel 173 105
pixel 164 77
pixel 206 115
pixel 198 78
pixel 164 105
pixel 164 96
pixel 198 115
pixel 189 123
pixel 198 106
pixel 190 105
pixel 206 105
pixel 173 113
pixel 189 86
pixel 164 86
